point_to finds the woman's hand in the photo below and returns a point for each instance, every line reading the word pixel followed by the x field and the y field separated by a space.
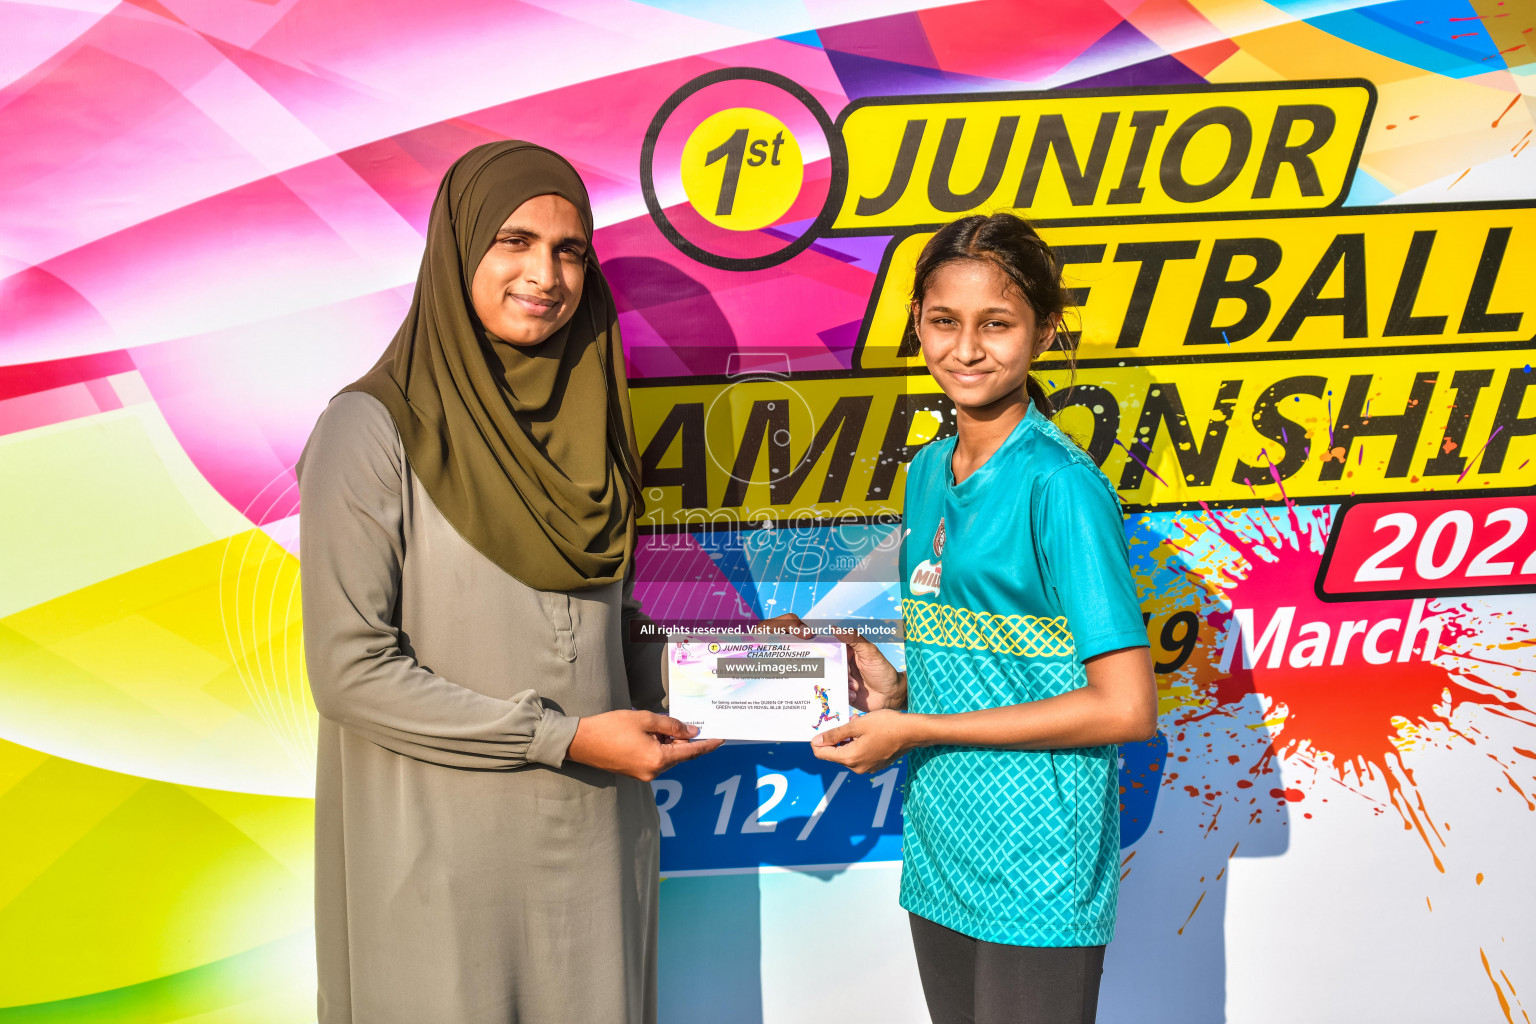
pixel 640 744
pixel 873 682
pixel 874 741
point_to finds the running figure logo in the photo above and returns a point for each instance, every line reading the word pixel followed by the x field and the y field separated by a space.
pixel 826 708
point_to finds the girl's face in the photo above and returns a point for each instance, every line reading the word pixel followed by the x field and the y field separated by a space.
pixel 529 281
pixel 979 334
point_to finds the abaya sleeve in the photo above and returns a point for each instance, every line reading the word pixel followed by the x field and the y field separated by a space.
pixel 644 650
pixel 361 672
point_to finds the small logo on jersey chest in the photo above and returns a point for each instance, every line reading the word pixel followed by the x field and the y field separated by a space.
pixel 925 577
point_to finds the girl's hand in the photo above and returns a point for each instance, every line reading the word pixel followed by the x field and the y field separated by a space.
pixel 874 741
pixel 873 682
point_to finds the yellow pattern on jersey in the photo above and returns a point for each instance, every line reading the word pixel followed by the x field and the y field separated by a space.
pixel 1030 636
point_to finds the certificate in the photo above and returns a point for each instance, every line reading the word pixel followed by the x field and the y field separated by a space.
pixel 737 689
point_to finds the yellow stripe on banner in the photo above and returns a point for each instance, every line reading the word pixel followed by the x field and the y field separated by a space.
pixel 92 498
pixel 1221 430
pixel 926 160
pixel 1028 636
pixel 189 670
pixel 123 880
pixel 1383 281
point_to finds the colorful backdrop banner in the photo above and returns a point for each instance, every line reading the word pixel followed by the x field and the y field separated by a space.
pixel 1301 237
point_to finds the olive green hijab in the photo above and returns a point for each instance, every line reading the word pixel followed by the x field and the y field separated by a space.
pixel 528 451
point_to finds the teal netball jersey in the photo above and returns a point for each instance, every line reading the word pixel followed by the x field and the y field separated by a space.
pixel 1010 581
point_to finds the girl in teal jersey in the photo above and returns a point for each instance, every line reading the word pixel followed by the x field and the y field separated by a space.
pixel 1027 658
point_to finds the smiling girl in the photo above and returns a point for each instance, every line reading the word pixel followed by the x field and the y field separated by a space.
pixel 1027 658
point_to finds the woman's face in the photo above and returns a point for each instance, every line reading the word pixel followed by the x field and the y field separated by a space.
pixel 529 282
pixel 979 334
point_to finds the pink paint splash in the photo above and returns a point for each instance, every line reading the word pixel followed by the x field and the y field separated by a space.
pixel 1352 719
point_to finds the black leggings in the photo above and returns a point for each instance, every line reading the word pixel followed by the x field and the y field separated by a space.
pixel 968 981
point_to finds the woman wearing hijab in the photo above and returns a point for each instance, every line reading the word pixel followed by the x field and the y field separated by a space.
pixel 486 840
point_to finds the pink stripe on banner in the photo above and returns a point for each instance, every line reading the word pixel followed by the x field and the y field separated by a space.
pixel 28 378
pixel 105 395
pixel 44 408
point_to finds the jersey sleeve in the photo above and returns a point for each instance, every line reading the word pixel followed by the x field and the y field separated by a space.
pixel 915 490
pixel 1080 533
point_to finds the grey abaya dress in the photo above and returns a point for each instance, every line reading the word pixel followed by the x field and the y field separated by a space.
pixel 466 872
